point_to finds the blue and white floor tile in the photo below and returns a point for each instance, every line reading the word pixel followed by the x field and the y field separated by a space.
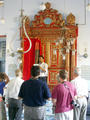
pixel 48 111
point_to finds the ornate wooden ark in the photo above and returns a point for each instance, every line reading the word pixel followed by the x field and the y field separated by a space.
pixel 58 38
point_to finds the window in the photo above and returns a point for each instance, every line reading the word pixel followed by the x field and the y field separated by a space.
pixel 2 53
pixel 85 73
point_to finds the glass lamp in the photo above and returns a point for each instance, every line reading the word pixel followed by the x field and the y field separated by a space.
pixel 85 55
pixel 42 6
pixel 2 20
pixel 1 2
pixel 88 6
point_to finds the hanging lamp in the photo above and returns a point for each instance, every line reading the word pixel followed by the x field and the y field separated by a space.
pixel 88 6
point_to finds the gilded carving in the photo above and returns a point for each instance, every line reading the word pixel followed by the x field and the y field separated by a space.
pixel 60 20
pixel 56 18
pixel 48 5
pixel 70 19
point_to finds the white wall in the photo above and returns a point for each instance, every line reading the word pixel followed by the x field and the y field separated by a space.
pixel 31 7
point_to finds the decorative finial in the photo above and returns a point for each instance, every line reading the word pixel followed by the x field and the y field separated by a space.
pixel 48 5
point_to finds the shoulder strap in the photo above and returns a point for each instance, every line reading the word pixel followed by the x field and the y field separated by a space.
pixel 65 85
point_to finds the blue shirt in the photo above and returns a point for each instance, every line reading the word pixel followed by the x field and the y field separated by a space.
pixel 34 93
pixel 2 85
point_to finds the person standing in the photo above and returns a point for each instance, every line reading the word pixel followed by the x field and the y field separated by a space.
pixel 34 93
pixel 62 96
pixel 14 104
pixel 82 94
pixel 3 81
pixel 43 69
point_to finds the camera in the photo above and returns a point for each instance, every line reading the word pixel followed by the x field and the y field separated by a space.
pixel 73 102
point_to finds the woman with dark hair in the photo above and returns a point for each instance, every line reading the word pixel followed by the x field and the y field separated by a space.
pixel 3 81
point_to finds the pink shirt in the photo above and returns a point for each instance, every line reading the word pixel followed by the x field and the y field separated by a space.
pixel 63 96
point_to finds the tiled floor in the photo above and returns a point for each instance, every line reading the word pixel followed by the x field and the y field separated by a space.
pixel 48 112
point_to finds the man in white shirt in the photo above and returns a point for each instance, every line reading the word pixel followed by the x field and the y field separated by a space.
pixel 43 69
pixel 14 104
pixel 82 94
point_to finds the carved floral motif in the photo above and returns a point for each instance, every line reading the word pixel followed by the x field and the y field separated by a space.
pixel 57 19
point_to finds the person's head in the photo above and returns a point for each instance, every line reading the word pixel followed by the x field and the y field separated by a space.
pixel 63 74
pixel 76 72
pixel 2 76
pixel 41 59
pixel 18 73
pixel 35 71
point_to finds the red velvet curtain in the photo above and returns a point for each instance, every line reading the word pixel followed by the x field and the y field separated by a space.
pixel 29 57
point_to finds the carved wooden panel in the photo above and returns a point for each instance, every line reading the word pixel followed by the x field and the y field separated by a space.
pixel 52 76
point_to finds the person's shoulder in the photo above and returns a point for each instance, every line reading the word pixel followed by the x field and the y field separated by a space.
pixel 27 81
pixel 45 63
pixel 2 82
pixel 41 82
pixel 11 81
pixel 70 84
pixel 58 86
pixel 24 83
pixel 73 81
pixel 79 79
pixel 20 79
pixel 84 81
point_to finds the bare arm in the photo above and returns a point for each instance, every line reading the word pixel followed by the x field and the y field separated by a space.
pixel 19 98
pixel 42 69
pixel 54 102
pixel 49 98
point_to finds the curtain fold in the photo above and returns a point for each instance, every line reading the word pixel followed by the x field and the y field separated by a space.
pixel 29 57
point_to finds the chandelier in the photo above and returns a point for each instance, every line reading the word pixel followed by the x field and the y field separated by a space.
pixel 64 46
